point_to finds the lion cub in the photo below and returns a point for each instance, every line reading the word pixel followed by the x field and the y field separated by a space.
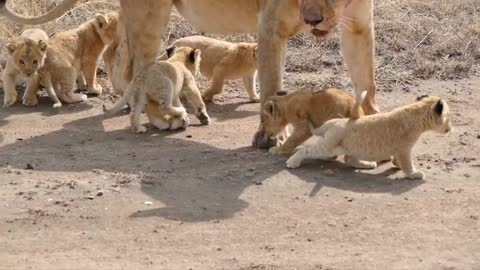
pixel 379 137
pixel 159 86
pixel 72 55
pixel 26 56
pixel 301 107
pixel 222 60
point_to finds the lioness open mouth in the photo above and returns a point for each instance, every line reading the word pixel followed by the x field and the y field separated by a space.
pixel 319 33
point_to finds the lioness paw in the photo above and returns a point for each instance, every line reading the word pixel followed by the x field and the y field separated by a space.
pixel 293 162
pixel 255 99
pixel 97 90
pixel 9 100
pixel 416 175
pixel 30 101
pixel 139 129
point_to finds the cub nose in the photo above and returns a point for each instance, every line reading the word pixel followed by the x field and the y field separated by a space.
pixel 314 20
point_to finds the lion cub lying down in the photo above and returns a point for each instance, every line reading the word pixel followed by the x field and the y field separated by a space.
pixel 378 137
pixel 26 56
pixel 158 86
pixel 300 108
pixel 72 55
pixel 222 60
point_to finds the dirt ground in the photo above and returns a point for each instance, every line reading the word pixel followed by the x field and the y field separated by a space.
pixel 80 191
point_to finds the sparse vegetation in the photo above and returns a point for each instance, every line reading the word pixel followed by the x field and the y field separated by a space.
pixel 415 40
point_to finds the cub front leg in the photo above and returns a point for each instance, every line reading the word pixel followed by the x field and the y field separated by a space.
pixel 405 162
pixel 216 86
pixel 249 84
pixel 30 96
pixel 300 134
pixel 89 70
pixel 357 43
pixel 9 88
pixel 194 97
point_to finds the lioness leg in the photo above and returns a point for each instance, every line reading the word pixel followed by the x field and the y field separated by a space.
pixel 81 83
pixel 357 43
pixel 249 84
pixel 9 88
pixel 152 17
pixel 272 49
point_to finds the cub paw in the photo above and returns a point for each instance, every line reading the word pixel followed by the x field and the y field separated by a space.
pixel 180 123
pixel 255 99
pixel 57 105
pixel 84 97
pixel 278 150
pixel 139 129
pixel 97 90
pixel 293 162
pixel 30 101
pixel 416 175
pixel 204 118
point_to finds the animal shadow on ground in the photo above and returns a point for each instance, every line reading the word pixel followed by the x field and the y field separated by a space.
pixel 44 107
pixel 229 111
pixel 193 181
pixel 339 175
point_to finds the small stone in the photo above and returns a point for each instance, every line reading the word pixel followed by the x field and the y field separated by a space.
pixel 89 197
pixel 189 136
pixel 328 172
pixel 100 193
pixel 478 136
pixel 148 203
pixel 29 167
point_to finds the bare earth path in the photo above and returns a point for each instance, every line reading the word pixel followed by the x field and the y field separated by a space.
pixel 217 203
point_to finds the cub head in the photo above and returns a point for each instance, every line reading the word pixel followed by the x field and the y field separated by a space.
pixel 27 55
pixel 437 117
pixel 189 57
pixel 106 26
pixel 323 15
pixel 273 115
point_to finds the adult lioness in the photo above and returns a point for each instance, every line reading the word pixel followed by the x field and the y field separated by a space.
pixel 275 21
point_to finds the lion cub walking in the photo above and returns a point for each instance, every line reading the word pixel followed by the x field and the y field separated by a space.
pixel 158 86
pixel 72 55
pixel 26 55
pixel 379 137
pixel 222 60
pixel 300 108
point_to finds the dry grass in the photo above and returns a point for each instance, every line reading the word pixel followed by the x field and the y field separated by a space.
pixel 416 39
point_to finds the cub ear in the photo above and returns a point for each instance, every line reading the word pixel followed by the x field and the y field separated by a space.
pixel 171 51
pixel 42 45
pixel 271 108
pixel 439 107
pixel 421 97
pixel 195 55
pixel 101 21
pixel 281 93
pixel 11 47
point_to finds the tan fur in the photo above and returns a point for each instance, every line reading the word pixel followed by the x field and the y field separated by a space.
pixel 72 55
pixel 301 108
pixel 373 138
pixel 158 86
pixel 274 21
pixel 222 60
pixel 26 55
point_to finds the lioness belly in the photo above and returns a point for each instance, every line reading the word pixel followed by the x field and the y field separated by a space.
pixel 220 16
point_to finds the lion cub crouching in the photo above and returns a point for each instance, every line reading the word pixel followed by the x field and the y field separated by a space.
pixel 222 60
pixel 158 86
pixel 379 137
pixel 26 56
pixel 300 108
pixel 72 55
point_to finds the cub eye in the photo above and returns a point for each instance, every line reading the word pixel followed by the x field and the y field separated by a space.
pixel 21 62
pixel 35 62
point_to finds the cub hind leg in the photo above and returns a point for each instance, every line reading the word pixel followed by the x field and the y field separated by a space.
pixel 249 84
pixel 192 93
pixel 140 100
pixel 217 84
pixel 67 85
pixel 89 70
